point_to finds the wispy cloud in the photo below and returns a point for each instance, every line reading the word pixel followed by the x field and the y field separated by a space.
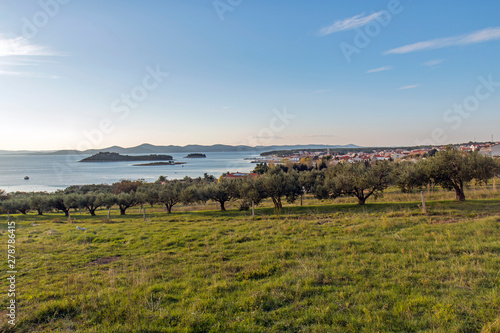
pixel 20 51
pixel 380 69
pixel 412 86
pixel 319 136
pixel 349 23
pixel 480 36
pixel 20 46
pixel 433 63
pixel 321 91
pixel 263 137
pixel 28 75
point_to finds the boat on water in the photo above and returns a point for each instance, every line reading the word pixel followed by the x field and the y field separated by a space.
pixel 26 178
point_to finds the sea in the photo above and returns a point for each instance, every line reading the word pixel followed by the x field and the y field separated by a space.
pixel 53 172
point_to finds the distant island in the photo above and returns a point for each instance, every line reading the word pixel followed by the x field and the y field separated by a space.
pixel 196 155
pixel 115 157
pixel 159 163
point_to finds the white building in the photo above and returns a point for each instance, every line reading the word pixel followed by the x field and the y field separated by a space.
pixel 495 150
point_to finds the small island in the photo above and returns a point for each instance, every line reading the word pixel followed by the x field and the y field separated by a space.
pixel 115 157
pixel 196 155
pixel 159 163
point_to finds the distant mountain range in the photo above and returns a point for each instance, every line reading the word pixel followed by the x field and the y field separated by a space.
pixel 152 149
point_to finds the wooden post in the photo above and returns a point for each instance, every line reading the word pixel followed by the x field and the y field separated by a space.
pixel 301 199
pixel 423 202
pixel 253 208
pixel 69 216
pixel 144 214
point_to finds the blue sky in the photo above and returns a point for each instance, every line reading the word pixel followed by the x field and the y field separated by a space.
pixel 77 74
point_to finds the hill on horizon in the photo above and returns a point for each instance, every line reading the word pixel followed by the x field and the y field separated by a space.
pixel 147 148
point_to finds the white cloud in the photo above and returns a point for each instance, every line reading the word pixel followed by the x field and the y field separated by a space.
pixel 28 74
pixel 472 38
pixel 433 63
pixel 20 46
pixel 19 51
pixel 380 69
pixel 349 23
pixel 412 86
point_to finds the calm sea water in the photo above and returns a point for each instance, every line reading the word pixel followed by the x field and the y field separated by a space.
pixel 49 173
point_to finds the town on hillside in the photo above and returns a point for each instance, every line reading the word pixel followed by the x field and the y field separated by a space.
pixel 376 154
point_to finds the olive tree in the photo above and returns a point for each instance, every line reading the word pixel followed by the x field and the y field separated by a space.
pixel 40 202
pixel 223 191
pixel 171 193
pixel 92 201
pixel 453 169
pixel 359 179
pixel 126 200
pixel 277 184
pixel 408 176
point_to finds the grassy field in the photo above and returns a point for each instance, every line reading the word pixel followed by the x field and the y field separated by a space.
pixel 321 267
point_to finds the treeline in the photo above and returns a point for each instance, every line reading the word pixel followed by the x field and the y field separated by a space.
pixel 450 169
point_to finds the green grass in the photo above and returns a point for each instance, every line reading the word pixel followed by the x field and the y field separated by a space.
pixel 383 267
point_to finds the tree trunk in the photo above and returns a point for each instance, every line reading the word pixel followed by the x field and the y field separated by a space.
pixel 222 208
pixel 122 210
pixel 460 194
pixel 40 212
pixel 361 200
pixel 92 212
pixel 277 203
pixel 169 208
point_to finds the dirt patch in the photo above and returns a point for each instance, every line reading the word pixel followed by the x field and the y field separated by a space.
pixel 103 261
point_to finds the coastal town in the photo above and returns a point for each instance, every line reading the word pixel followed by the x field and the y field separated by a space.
pixel 491 149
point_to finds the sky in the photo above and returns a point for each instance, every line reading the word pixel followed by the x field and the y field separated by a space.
pixel 87 74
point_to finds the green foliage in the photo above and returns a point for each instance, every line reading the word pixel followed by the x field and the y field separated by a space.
pixel 359 179
pixel 277 184
pixel 453 170
pixel 171 193
pixel 250 190
pixel 126 200
pixel 126 186
pixel 150 193
pixel 40 202
pixel 261 168
pixel 92 201
pixel 223 191
pixel 410 176
pixel 20 204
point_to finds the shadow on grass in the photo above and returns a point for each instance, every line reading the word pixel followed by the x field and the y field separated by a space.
pixel 479 206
